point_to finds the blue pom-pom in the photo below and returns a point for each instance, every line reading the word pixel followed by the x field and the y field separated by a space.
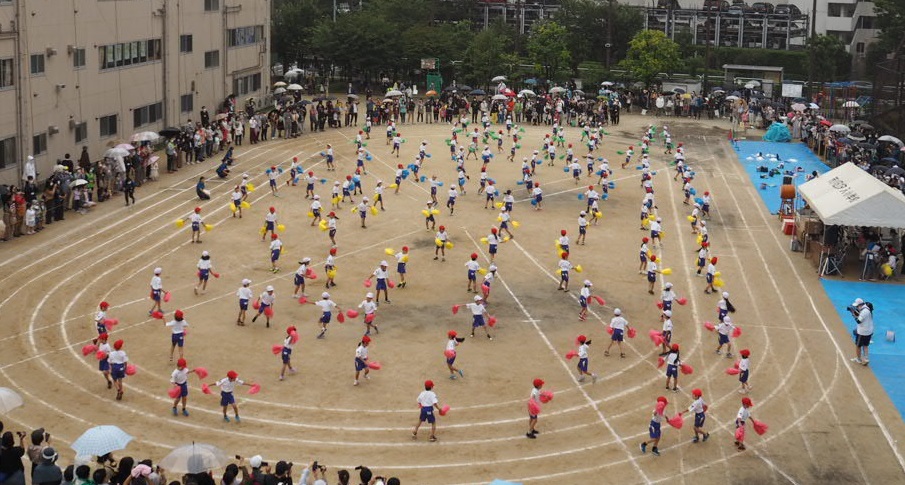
pixel 612 185
pixel 692 191
pixel 580 196
pixel 323 154
pixel 428 155
pixel 638 167
pixel 280 170
pixel 599 159
pixel 439 184
pixel 565 169
pixel 606 196
pixel 654 172
pixel 356 178
pixel 423 178
pixel 411 166
pixel 533 201
pixel 698 200
pixel 295 180
pixel 267 171
pixel 493 181
pixel 323 181
pixel 519 182
pixel 368 157
pixel 599 173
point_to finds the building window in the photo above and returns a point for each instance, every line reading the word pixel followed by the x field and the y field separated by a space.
pixel 36 64
pixel 108 125
pixel 6 73
pixel 78 58
pixel 81 132
pixel 211 59
pixel 247 84
pixel 185 43
pixel 211 5
pixel 8 152
pixel 129 53
pixel 246 36
pixel 187 103
pixel 39 144
pixel 146 115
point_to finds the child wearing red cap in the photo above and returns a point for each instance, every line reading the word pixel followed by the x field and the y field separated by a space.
pixel 699 408
pixel 653 430
pixel 292 337
pixel 743 415
pixel 532 418
pixel 703 252
pixel 100 320
pixel 227 385
pixel 652 271
pixel 472 267
pixel 743 366
pixel 276 246
pixel 492 243
pixel 643 251
pixel 583 343
pixel 564 267
pixel 270 221
pixel 672 367
pixel 330 268
pixel 402 258
pixel 180 379
pixel 453 341
pixel 195 218
pixel 310 180
pixel 563 241
pixel 441 239
pixel 103 365
pixel 118 359
pixel 361 359
pixel 427 401
pixel 177 339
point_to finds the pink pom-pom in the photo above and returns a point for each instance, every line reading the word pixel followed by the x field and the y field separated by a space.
pixel 89 349
pixel 174 392
pixel 660 362
pixel 732 371
pixel 491 322
pixel 444 410
pixel 216 275
pixel 351 313
pixel 632 332
pixel 255 388
pixel 450 353
pixel 736 364
pixel 303 300
pixel 100 355
pixel 609 330
pixel 157 315
pixel 533 407
pixel 455 309
pixel 268 312
pixel 166 297
pixel 740 434
pixel 686 369
pixel 600 301
pixel 760 427
pixel 659 305
pixel 198 274
pixel 367 283
pixel 658 339
pixel 340 317
pixel 391 283
pixel 276 349
pixel 682 301
pixel 131 370
pixel 205 389
pixel 201 372
pixel 293 337
pixel 709 326
pixel 485 291
pixel 736 332
pixel 256 304
pixel 571 354
pixel 546 396
pixel 374 366
pixel 369 318
pixel 661 406
pixel 111 322
pixel 676 421
pixel 310 274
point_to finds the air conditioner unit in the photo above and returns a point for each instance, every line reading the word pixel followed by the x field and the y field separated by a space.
pixel 72 124
pixel 51 51
pixel 70 49
pixel 53 130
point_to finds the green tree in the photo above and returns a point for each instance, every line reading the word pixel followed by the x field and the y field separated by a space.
pixel 486 54
pixel 548 48
pixel 588 30
pixel 891 22
pixel 293 25
pixel 827 58
pixel 650 52
pixel 359 41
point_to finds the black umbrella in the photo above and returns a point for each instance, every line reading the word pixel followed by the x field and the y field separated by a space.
pixel 857 136
pixel 169 132
pixel 866 127
pixel 477 92
pixel 845 141
pixel 465 87
pixel 678 90
pixel 889 160
pixel 868 146
pixel 895 171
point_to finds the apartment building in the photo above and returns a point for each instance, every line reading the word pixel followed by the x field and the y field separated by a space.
pixel 77 73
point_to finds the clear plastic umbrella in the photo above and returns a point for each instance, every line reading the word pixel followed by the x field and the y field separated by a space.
pixel 194 458
pixel 294 87
pixel 9 400
pixel 498 79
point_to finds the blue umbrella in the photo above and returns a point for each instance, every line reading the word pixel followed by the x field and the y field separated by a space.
pixel 478 92
pixel 101 440
pixel 531 81
pixel 845 141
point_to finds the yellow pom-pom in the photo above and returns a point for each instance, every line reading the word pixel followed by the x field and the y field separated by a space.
pixel 666 271
pixel 331 274
pixel 886 269
pixel 499 219
pixel 717 274
pixel 438 242
pixel 179 223
pixel 263 230
pixel 281 227
pixel 322 226
pixel 311 214
pixel 505 238
pixel 389 251
pixel 515 224
pixel 598 215
pixel 425 212
pixel 578 269
pixel 405 258
pixel 662 235
pixel 717 283
pixel 482 271
pixel 245 205
pixel 335 200
pixel 435 211
pixel 449 245
pixel 374 211
pixel 557 244
pixel 353 210
pixel 499 205
pixel 700 239
pixel 484 240
pixel 251 188
pixel 233 208
pixel 208 227
pixel 690 218
pixel 393 186
pixel 652 217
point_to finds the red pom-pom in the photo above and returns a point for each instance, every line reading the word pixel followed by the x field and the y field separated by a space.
pixel 303 300
pixel 759 426
pixel 256 388
pixel 736 332
pixel 455 309
pixel 661 406
pixel 609 330
pixel 198 274
pixel 571 354
pixel 100 355
pixel 450 353
pixel 340 317
pixel 491 322
pixel 533 407
pixel 444 410
pixel 158 315
pixel 310 274
pixel 131 370
pixel 205 389
pixel 546 396
pixel 351 313
pixel 736 364
pixel 658 339
pixel 174 392
pixel 686 369
pixel 201 372
pixel 676 421
pixel 216 275
pixel 660 362
pixel 89 349
pixel 268 312
pixel 369 318
pixel 682 301
pixel 293 337
pixel 256 304
pixel 632 332
pixel 740 434
pixel 276 349
pixel 659 305
pixel 111 322
pixel 374 366
pixel 367 283
pixel 485 290
pixel 709 326
pixel 600 301
pixel 166 297
pixel 732 371
pixel 391 283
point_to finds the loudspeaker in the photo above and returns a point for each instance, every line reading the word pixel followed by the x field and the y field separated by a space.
pixel 787 180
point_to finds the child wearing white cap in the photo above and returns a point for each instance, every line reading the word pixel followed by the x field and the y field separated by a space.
pixel 316 210
pixel 156 291
pixel 582 227
pixel 583 297
pixel 724 332
pixel 488 281
pixel 266 300
pixel 382 274
pixel 369 307
pixel 327 307
pixel 299 277
pixel 244 293
pixel 619 326
pixel 478 312
pixel 666 332
pixel 363 207
pixel 204 271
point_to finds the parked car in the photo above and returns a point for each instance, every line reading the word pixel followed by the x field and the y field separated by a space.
pixel 786 9
pixel 762 7
pixel 716 5
pixel 736 10
pixel 741 4
pixel 669 4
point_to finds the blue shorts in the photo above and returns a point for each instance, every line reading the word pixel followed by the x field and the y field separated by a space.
pixel 325 317
pixel 617 335
pixel 643 257
pixel 654 430
pixel 451 201
pixel 565 248
pixel 346 193
pixel 243 304
pixel 576 173
pixel 583 365
pixel 360 365
pixel 583 301
pixel 263 307
pixel 118 371
pixel 103 365
pixel 705 208
pixel 743 376
pixel 433 190
pixel 316 212
pixel 381 284
pixel 724 339
pixel 451 360
pixel 504 225
pixel 471 275
pixel 672 371
pixel 477 321
pixel 183 389
pixel 644 215
pixel 563 275
pixel 286 354
pixel 492 249
pixel 101 328
pixel 654 234
pixel 274 255
pixel 332 232
pixel 694 221
pixel 196 226
pixel 539 198
pixel 667 305
pixel 398 180
pixel 268 225
pixel 709 277
pixel 309 187
pixel 722 314
pixel 427 414
pixel 508 207
pixel 701 262
pixel 329 158
pixel 227 398
pixel 298 279
pixel 699 419
pixel 273 182
pixel 651 276
pixel 582 230
pixel 177 339
pixel 363 214
pixel 400 268
pixel 204 274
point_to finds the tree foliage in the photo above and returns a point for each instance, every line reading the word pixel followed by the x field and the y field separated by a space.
pixel 486 56
pixel 293 24
pixel 891 22
pixel 827 58
pixel 650 52
pixel 548 48
pixel 587 23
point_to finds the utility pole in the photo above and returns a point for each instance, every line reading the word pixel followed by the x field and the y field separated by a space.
pixel 609 33
pixel 705 84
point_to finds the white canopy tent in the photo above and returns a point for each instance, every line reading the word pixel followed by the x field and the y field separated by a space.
pixel 849 196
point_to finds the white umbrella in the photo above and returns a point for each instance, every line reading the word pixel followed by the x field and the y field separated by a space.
pixel 851 104
pixel 527 92
pixel 352 96
pixel 499 97
pixel 194 458
pixel 798 107
pixel 891 139
pixel 498 79
pixel 279 90
pixel 150 136
pixel 752 84
pixel 279 84
pixel 78 183
pixel 814 106
pixel 732 98
pixel 606 83
pixel 125 146
pixel 101 440
pixel 294 87
pixel 9 400
pixel 558 89
pixel 115 153
pixel 840 129
pixel 394 92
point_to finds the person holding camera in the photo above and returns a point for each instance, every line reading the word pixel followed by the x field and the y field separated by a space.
pixel 315 471
pixel 12 471
pixel 862 311
pixel 40 439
